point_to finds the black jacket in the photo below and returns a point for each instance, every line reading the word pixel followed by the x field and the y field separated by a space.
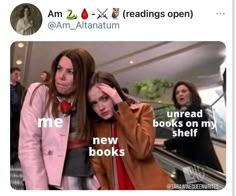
pixel 198 149
pixel 17 93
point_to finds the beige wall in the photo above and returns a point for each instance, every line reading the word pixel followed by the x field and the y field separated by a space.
pixel 221 153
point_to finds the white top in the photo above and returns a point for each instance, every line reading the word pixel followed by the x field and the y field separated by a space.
pixel 24 27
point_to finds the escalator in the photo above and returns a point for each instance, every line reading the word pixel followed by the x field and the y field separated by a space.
pixel 218 133
pixel 188 175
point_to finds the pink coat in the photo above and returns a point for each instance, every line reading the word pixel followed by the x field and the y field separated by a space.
pixel 41 150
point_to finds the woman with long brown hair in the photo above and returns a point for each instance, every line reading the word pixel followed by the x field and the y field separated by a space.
pixel 54 128
pixel 128 163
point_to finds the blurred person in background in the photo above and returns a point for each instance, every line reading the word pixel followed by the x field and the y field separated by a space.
pixel 16 96
pixel 45 76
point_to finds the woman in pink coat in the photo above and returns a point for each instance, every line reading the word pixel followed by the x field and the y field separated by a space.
pixel 54 129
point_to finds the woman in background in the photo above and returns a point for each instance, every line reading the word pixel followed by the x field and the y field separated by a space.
pixel 114 114
pixel 197 148
pixel 45 76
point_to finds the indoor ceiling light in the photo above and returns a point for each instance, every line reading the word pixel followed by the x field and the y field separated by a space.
pixel 19 62
pixel 131 62
pixel 21 45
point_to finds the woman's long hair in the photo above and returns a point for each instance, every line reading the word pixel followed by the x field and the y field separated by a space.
pixel 22 11
pixel 84 67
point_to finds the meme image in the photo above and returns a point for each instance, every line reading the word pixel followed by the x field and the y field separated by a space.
pixel 118 115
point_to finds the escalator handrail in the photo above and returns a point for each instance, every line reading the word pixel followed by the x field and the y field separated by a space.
pixel 211 172
pixel 218 140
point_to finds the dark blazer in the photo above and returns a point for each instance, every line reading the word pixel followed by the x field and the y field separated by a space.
pixel 198 149
pixel 19 90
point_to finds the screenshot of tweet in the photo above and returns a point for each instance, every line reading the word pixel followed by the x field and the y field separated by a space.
pixel 118 96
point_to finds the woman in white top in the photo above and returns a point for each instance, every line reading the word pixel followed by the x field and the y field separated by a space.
pixel 24 25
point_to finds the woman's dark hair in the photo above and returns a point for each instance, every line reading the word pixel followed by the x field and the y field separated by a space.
pixel 109 79
pixel 195 97
pixel 125 90
pixel 22 11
